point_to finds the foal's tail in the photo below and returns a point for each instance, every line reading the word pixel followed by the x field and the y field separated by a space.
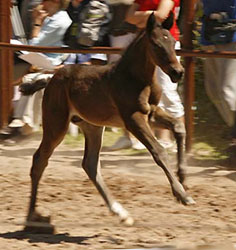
pixel 30 88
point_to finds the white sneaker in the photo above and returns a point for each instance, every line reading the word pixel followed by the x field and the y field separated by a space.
pixel 168 145
pixel 136 144
pixel 26 129
pixel 16 123
pixel 122 143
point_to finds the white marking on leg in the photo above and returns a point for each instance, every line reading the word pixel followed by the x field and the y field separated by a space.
pixel 117 208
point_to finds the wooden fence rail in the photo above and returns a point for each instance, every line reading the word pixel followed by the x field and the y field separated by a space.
pixel 114 50
pixel 6 63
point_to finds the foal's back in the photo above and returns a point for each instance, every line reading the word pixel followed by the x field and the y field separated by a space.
pixel 88 90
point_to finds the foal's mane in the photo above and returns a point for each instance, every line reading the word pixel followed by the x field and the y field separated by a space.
pixel 133 44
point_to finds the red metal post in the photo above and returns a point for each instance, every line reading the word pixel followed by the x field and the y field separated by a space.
pixel 189 88
pixel 6 63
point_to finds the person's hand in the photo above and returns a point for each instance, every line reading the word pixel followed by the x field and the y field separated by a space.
pixel 59 67
pixel 39 14
pixel 76 3
pixel 52 71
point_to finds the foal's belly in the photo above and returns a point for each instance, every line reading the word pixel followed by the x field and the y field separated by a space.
pixel 99 119
pixel 97 110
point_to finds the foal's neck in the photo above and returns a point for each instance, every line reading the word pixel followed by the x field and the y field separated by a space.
pixel 137 59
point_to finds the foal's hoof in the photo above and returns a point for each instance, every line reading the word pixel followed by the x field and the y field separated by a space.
pixel 39 227
pixel 129 221
pixel 185 200
pixel 39 224
pixel 189 201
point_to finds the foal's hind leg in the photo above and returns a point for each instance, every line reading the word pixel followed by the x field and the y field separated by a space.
pixel 137 124
pixel 160 118
pixel 91 165
pixel 54 130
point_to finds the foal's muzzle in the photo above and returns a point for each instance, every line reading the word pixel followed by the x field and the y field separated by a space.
pixel 176 74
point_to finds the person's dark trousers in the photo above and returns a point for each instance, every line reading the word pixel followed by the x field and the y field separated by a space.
pixel 232 147
pixel 234 128
pixel 20 68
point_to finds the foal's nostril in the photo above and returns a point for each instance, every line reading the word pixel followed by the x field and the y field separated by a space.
pixel 180 74
pixel 176 74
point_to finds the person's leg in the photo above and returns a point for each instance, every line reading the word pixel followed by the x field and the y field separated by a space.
pixel 170 102
pixel 220 84
pixel 20 68
pixel 28 108
pixel 214 79
pixel 35 104
pixel 233 133
pixel 231 149
pixel 122 142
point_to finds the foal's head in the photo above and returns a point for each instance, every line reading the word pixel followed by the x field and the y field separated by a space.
pixel 162 49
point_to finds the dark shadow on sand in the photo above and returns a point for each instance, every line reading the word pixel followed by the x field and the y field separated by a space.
pixel 46 238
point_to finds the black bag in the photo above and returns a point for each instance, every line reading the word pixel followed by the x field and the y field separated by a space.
pixel 91 25
pixel 219 29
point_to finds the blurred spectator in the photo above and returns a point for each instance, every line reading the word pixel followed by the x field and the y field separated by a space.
pixel 219 34
pixel 26 8
pixel 121 32
pixel 74 9
pixel 170 100
pixel 50 23
pixel 180 17
pixel 19 12
pixel 89 28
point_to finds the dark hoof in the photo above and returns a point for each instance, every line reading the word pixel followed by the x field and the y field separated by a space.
pixel 38 224
pixel 183 198
pixel 35 227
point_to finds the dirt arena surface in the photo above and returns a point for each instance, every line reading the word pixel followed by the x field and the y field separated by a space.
pixel 83 221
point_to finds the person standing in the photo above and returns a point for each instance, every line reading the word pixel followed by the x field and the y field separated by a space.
pixel 26 8
pixel 220 73
pixel 74 11
pixel 50 22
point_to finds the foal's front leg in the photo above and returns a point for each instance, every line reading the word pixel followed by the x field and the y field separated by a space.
pixel 91 165
pixel 140 128
pixel 159 117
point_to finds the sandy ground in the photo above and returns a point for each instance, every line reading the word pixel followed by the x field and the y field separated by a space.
pixel 83 221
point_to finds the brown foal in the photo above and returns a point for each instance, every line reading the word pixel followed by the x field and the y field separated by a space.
pixel 124 94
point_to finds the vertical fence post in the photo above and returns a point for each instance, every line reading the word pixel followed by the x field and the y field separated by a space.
pixel 189 88
pixel 6 63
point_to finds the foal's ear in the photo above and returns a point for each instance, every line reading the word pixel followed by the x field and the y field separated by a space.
pixel 168 23
pixel 152 23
